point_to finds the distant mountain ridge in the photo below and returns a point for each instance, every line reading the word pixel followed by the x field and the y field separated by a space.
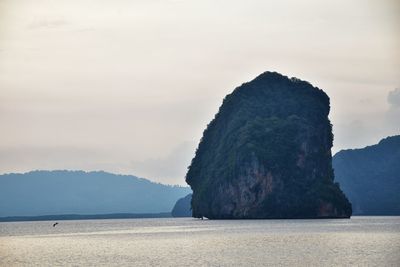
pixel 77 192
pixel 370 177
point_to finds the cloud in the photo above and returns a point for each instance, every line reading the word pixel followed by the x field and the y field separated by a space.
pixel 47 23
pixel 170 169
pixel 141 81
pixel 368 129
pixel 26 158
pixel 394 98
pixel 393 113
pixel 350 134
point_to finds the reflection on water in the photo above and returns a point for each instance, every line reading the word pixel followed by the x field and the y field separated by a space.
pixel 372 241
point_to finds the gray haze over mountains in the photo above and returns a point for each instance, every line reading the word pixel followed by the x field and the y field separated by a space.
pixel 129 86
pixel 77 192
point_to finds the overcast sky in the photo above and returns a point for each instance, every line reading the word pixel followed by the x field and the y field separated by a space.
pixel 129 86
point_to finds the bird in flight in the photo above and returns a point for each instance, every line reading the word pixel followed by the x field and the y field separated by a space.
pixel 54 225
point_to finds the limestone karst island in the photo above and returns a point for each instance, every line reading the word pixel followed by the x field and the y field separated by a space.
pixel 267 154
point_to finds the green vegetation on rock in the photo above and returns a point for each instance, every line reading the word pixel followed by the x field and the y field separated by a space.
pixel 266 154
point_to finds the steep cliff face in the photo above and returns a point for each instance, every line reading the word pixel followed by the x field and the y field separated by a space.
pixel 267 154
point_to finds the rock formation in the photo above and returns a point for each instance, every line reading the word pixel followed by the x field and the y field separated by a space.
pixel 267 154
pixel 182 207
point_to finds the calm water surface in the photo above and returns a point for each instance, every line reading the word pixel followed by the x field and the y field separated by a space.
pixel 361 241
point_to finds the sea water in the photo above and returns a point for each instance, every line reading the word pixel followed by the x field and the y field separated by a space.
pixel 361 241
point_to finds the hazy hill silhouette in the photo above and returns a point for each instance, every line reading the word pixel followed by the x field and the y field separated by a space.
pixel 78 192
pixel 370 177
